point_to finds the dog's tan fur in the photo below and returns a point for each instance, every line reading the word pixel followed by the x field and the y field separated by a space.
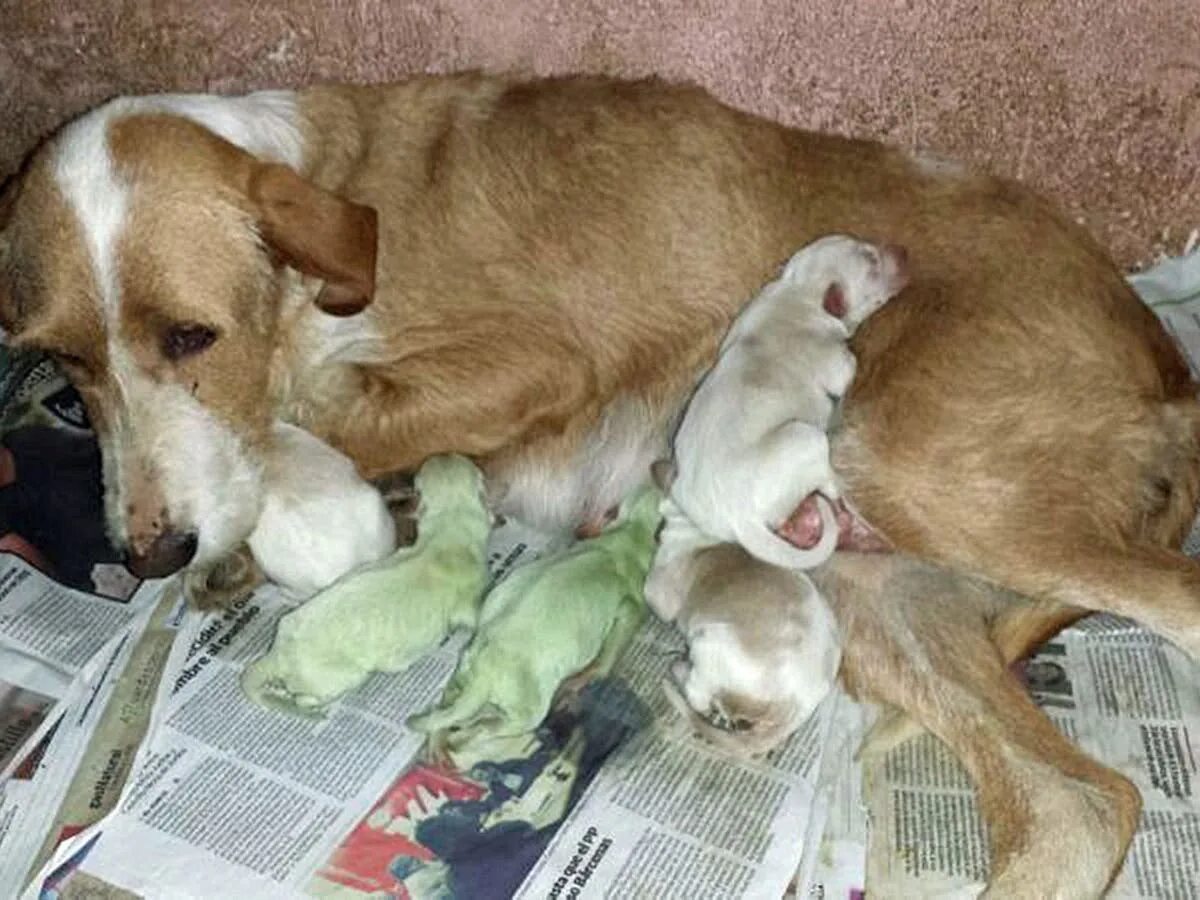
pixel 556 263
pixel 917 638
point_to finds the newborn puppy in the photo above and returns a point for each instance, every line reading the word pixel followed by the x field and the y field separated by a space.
pixel 319 519
pixel 763 646
pixel 384 616
pixel 550 619
pixel 752 442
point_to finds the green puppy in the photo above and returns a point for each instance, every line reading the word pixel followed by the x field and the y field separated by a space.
pixel 383 617
pixel 549 620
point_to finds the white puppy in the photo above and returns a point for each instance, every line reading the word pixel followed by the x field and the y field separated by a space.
pixel 319 518
pixel 752 443
pixel 763 646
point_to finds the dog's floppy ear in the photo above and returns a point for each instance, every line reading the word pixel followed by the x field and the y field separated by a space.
pixel 662 472
pixel 319 234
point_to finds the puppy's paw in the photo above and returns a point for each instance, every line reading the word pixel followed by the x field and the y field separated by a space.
pixel 216 586
pixel 403 501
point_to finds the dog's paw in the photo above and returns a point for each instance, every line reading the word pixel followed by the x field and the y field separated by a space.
pixel 218 585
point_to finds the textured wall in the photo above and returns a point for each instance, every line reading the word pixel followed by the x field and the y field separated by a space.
pixel 1096 102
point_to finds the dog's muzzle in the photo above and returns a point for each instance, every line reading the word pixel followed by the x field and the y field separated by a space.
pixel 167 554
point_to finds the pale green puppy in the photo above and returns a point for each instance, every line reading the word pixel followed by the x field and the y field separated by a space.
pixel 383 617
pixel 547 621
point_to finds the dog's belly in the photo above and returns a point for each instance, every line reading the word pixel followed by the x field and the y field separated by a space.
pixel 562 485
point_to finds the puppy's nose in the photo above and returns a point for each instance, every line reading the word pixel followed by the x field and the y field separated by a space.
pixel 895 266
pixel 168 553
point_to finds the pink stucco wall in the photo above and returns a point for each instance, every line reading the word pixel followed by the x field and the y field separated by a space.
pixel 1096 102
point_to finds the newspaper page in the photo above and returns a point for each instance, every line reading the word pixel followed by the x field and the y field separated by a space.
pixel 48 778
pixel 835 860
pixel 102 756
pixel 1128 698
pixel 229 799
pixel 1172 290
pixel 50 638
pixel 670 817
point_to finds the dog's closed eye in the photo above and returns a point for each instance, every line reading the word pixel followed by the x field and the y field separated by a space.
pixel 74 366
pixel 187 339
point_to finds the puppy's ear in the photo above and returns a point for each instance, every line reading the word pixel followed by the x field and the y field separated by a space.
pixel 662 472
pixel 319 234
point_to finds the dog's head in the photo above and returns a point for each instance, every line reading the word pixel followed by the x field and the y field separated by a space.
pixel 852 278
pixel 152 247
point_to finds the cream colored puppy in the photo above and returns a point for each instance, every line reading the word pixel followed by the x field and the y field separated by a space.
pixel 319 518
pixel 752 443
pixel 763 647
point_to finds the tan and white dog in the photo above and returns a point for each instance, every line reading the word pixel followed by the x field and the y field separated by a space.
pixel 534 274
pixel 752 443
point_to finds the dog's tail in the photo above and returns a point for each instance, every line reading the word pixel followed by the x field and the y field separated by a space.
pixel 762 542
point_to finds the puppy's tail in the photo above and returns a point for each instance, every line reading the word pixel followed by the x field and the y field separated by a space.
pixel 762 542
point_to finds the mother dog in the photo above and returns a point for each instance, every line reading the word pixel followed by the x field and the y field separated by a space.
pixel 534 274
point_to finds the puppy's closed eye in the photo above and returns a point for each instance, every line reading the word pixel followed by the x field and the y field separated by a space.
pixel 185 339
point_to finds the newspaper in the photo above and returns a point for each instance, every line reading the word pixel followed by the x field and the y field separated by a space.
pixel 834 867
pixel 669 817
pixel 51 638
pixel 231 799
pixel 58 785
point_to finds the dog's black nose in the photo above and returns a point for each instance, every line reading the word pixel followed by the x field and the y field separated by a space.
pixel 166 555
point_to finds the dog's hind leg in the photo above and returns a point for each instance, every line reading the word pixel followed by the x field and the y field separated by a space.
pixel 919 638
pixel 1016 631
pixel 1159 588
pixel 1020 629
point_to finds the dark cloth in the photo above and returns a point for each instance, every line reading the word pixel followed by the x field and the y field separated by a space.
pixel 56 502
